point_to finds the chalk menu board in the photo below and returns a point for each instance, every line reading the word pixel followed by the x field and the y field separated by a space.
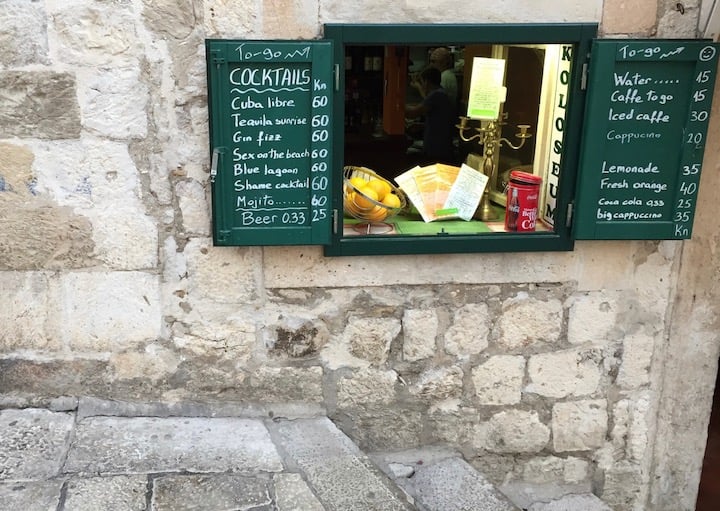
pixel 270 120
pixel 644 136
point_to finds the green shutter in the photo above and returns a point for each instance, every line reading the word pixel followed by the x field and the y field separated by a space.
pixel 270 107
pixel 644 135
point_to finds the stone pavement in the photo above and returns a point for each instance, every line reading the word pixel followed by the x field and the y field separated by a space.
pixel 76 461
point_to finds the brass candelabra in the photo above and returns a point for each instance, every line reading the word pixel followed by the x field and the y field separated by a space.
pixel 488 134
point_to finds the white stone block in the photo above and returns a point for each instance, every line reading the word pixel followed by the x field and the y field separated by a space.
pixel 366 386
pixel 222 274
pixel 439 384
pixel 113 102
pixel 564 373
pixel 369 338
pixel 94 35
pixel 420 328
pixel 194 207
pixel 468 333
pixel 25 304
pixel 104 312
pixel 527 321
pixel 100 181
pixel 499 380
pixel 579 425
pixel 593 317
pixel 637 358
pixel 516 431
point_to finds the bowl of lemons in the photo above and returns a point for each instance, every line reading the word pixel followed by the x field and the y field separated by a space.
pixel 370 197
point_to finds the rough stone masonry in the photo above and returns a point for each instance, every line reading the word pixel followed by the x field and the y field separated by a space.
pixel 564 372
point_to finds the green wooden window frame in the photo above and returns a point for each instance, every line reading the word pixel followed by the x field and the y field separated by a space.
pixel 579 35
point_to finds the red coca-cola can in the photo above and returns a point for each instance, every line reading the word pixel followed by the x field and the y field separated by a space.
pixel 521 210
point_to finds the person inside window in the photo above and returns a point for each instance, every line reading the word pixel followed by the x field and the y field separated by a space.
pixel 439 118
pixel 442 59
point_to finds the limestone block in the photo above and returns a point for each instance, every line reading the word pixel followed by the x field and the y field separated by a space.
pixel 125 238
pixel 286 384
pixel 154 363
pixel 37 235
pixel 439 383
pixel 420 327
pixel 105 311
pixel 23 34
pixel 564 373
pixel 173 18
pixel 24 310
pixel 366 386
pixel 637 358
pixel 38 104
pixel 527 321
pixel 624 487
pixel 321 271
pixel 499 380
pixel 675 24
pixel 629 17
pixel 468 333
pixel 516 431
pixel 521 11
pixel 290 18
pixel 579 425
pixel 593 317
pixel 293 334
pixel 382 427
pixel 223 19
pixel 113 102
pixel 369 338
pixel 94 35
pixel 220 337
pixel 630 432
pixel 194 207
pixel 451 424
pixel 221 274
pixel 99 179
pixel 551 469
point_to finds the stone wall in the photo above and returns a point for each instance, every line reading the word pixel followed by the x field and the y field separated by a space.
pixel 551 372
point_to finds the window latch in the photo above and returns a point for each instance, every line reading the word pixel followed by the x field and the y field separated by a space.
pixel 214 165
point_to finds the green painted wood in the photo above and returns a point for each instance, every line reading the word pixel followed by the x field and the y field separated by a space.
pixel 645 129
pixel 270 113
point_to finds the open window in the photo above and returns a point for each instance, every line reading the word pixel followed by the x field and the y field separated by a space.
pixel 529 80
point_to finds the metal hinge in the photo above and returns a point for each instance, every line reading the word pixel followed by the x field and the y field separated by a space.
pixel 584 76
pixel 336 74
pixel 569 214
pixel 335 221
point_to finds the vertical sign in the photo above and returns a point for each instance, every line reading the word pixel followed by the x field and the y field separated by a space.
pixel 644 138
pixel 270 116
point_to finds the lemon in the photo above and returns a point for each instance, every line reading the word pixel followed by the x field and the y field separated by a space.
pixel 392 201
pixel 376 214
pixel 358 182
pixel 380 186
pixel 361 198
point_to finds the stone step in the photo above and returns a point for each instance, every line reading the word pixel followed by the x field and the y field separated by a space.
pixel 342 476
pixel 440 480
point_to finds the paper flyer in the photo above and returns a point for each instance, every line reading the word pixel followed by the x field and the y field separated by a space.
pixel 486 88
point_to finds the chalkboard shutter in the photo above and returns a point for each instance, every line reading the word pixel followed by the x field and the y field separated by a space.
pixel 270 106
pixel 644 135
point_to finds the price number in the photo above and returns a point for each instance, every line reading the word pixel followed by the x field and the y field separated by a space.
pixel 320 154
